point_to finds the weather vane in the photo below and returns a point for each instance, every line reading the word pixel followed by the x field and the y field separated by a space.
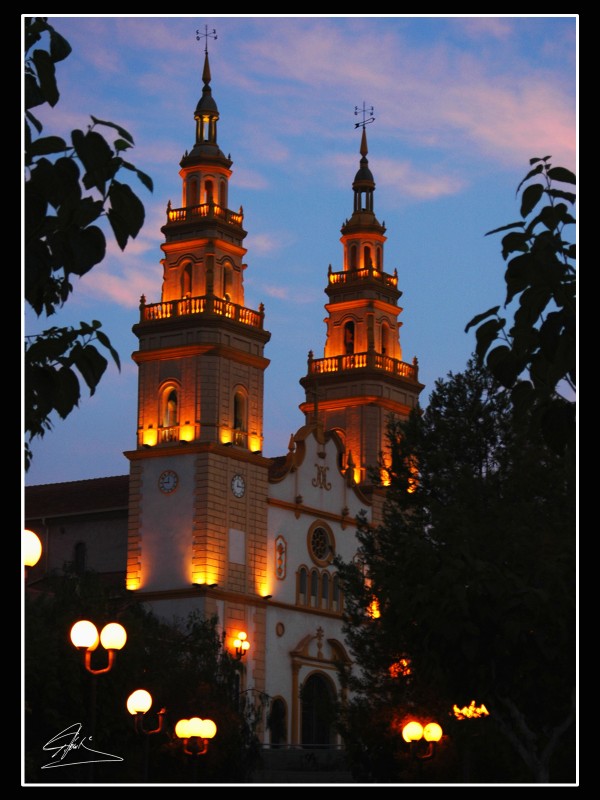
pixel 367 115
pixel 206 36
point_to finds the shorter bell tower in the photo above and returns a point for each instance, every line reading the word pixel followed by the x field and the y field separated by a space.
pixel 362 380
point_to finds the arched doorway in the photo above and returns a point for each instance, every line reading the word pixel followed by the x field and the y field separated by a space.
pixel 318 711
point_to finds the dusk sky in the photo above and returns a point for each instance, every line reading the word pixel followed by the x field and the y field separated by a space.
pixel 460 105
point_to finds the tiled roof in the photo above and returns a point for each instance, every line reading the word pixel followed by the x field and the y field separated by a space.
pixel 76 497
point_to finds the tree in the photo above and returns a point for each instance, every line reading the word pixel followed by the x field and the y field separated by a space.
pixel 536 356
pixel 473 574
pixel 69 188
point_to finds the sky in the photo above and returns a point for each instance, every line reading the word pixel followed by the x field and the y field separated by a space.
pixel 460 105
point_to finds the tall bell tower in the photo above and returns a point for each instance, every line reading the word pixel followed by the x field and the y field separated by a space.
pixel 362 379
pixel 198 480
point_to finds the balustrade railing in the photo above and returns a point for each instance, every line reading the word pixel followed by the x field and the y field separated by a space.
pixel 358 275
pixel 369 359
pixel 214 306
pixel 207 210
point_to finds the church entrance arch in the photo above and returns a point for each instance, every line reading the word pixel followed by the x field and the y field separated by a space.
pixel 318 710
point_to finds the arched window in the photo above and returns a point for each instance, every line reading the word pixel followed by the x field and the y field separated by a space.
pixel 169 414
pixel 192 193
pixel 223 194
pixel 208 192
pixel 240 418
pixel 352 256
pixel 277 722
pixel 325 590
pixel 302 585
pixel 349 338
pixel 378 257
pixel 385 333
pixel 314 588
pixel 335 594
pixel 368 259
pixel 186 280
pixel 227 281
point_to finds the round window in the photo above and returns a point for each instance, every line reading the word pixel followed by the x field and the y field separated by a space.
pixel 321 545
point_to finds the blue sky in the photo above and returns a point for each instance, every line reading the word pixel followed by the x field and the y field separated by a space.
pixel 460 104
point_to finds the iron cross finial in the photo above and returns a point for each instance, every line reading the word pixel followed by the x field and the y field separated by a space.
pixel 367 115
pixel 206 36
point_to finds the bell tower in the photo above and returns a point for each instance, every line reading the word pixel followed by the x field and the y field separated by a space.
pixel 361 380
pixel 198 480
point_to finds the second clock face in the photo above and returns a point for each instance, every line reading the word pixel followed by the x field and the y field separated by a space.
pixel 168 481
pixel 238 485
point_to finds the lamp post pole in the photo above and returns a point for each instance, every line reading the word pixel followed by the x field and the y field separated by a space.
pixel 85 637
pixel 138 704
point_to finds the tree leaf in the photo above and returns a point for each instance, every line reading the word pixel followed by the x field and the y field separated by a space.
pixel 90 363
pixel 530 174
pixel 506 228
pixel 45 145
pixel 530 198
pixel 486 334
pixel 126 213
pixel 121 131
pixel 477 319
pixel 562 175
pixel 46 74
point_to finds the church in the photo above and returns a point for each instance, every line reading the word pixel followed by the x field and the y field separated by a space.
pixel 203 521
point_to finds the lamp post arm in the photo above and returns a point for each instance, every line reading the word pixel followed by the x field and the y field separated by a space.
pixel 88 662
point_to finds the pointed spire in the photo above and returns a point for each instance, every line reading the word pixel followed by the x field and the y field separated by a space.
pixel 363 144
pixel 206 71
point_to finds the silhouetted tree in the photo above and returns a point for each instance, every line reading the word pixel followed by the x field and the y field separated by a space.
pixel 473 578
pixel 69 187
pixel 536 357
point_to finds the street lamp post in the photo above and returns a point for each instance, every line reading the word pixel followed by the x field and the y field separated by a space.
pixel 138 704
pixel 195 734
pixel 422 740
pixel 241 644
pixel 85 637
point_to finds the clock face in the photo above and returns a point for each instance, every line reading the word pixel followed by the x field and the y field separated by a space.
pixel 168 481
pixel 238 485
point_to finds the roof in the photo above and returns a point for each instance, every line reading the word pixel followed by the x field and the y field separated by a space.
pixel 77 497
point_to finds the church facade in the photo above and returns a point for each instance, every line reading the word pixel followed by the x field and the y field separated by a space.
pixel 211 524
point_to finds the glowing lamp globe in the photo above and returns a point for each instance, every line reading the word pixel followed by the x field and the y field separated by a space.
pixel 32 548
pixel 84 635
pixel 113 636
pixel 208 729
pixel 432 732
pixel 412 731
pixel 139 702
pixel 182 729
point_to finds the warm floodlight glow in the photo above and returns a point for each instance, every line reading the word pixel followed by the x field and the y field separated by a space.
pixel 149 437
pixel 113 636
pixel 470 712
pixel 432 732
pixel 412 731
pixel 373 609
pixel 139 702
pixel 84 634
pixel 32 548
